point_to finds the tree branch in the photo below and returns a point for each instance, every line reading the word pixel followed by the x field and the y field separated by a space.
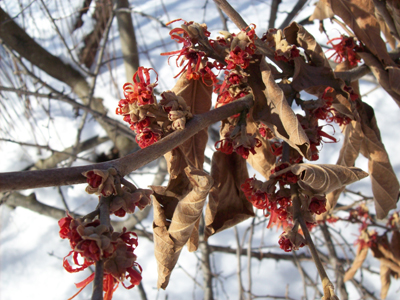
pixel 274 10
pixel 299 5
pixel 125 165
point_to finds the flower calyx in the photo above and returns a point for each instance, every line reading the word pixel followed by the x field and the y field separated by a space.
pixel 101 182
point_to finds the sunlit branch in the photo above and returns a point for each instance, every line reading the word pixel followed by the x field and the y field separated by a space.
pixel 125 165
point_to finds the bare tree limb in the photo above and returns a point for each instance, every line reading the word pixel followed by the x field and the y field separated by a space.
pixel 272 16
pixel 125 165
pixel 128 39
pixel 295 10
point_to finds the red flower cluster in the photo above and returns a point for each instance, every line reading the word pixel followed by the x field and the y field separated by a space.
pixel 135 108
pixel 242 49
pixel 346 49
pixel 314 134
pixel 190 34
pixel 91 241
pixel 258 198
pixel 242 145
pixel 276 204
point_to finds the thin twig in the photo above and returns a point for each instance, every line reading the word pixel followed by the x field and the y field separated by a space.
pixel 64 98
pixel 239 264
pixel 249 258
pixel 301 271
pixel 295 10
pixel 77 64
pixel 273 13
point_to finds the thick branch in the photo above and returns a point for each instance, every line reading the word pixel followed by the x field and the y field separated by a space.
pixel 125 165
pixel 127 38
pixel 231 13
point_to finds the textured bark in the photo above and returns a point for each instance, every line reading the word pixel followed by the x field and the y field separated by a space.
pixel 128 39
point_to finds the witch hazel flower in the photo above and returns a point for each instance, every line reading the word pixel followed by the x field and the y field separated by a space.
pixel 91 242
pixel 291 239
pixel 141 91
pixel 192 35
pixel 128 201
pixel 242 48
pixel 244 144
pixel 100 182
pixel 346 49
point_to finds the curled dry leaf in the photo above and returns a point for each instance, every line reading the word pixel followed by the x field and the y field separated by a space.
pixel 322 179
pixel 357 263
pixel 384 26
pixel 385 185
pixel 197 95
pixel 321 12
pixel 227 205
pixel 289 128
pixel 385 280
pixel 395 246
pixel 170 237
pixel 299 36
pixel 394 11
pixel 381 75
pixel 349 152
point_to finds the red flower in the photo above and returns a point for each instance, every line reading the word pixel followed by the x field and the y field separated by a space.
pixel 238 57
pixel 317 205
pixel 285 244
pixel 224 145
pixel 147 137
pixel 141 91
pixel 93 179
pixel 346 49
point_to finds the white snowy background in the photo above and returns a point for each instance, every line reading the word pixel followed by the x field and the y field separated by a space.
pixel 31 251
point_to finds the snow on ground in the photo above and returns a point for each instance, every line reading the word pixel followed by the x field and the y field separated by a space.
pixel 31 251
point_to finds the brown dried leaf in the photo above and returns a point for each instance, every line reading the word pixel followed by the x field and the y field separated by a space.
pixel 170 238
pixel 197 95
pixel 293 133
pixel 394 10
pixel 321 12
pixel 385 280
pixel 381 75
pixel 227 205
pixel 322 179
pixel 385 186
pixel 353 138
pixel 263 160
pixel 357 263
pixel 395 246
pixel 299 36
pixel 306 76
